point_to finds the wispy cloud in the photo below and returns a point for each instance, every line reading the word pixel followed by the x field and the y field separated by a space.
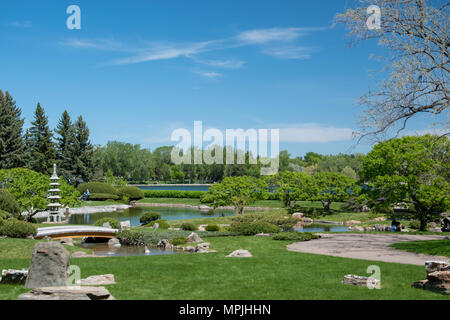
pixel 96 44
pixel 314 133
pixel 263 36
pixel 21 24
pixel 210 75
pixel 225 64
pixel 290 52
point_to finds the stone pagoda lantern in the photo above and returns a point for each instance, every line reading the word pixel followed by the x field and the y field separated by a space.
pixel 53 196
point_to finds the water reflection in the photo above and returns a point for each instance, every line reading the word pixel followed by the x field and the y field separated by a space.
pixel 103 249
pixel 322 228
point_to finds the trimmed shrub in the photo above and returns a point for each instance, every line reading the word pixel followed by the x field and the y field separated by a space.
pixel 2 222
pixel 415 224
pixel 295 236
pixel 285 224
pixel 5 215
pixel 103 196
pixel 114 223
pixel 148 217
pixel 188 226
pixel 250 229
pixel 14 228
pixel 131 237
pixel 212 227
pixel 178 241
pixel 131 193
pixel 173 194
pixel 162 224
pixel 8 203
pixel 97 187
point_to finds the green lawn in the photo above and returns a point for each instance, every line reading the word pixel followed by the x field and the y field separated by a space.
pixel 433 247
pixel 273 273
pixel 196 202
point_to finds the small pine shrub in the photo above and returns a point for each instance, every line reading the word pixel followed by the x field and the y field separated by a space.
pixel 114 223
pixel 148 217
pixel 250 229
pixel 163 224
pixel 178 241
pixel 8 203
pixel 5 215
pixel 131 193
pixel 14 228
pixel 103 196
pixel 188 226
pixel 97 187
pixel 295 236
pixel 212 227
pixel 131 237
pixel 415 224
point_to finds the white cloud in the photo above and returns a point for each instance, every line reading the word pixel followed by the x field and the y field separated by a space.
pixel 291 52
pixel 210 75
pixel 21 24
pixel 316 133
pixel 95 44
pixel 225 64
pixel 262 36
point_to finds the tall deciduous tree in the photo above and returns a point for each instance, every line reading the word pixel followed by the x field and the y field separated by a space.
pixel 39 141
pixel 414 170
pixel 64 144
pixel 330 187
pixel 82 153
pixel 12 145
pixel 415 32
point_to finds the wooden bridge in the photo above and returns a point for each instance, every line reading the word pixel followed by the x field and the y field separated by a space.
pixel 75 232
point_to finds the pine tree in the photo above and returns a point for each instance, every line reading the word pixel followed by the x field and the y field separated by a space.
pixel 12 147
pixel 65 139
pixel 40 144
pixel 82 152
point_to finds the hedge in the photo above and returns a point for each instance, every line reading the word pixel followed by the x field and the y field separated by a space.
pixel 97 187
pixel 173 194
pixel 132 193
pixel 131 237
pixel 114 223
pixel 8 203
pixel 14 228
pixel 250 229
pixel 295 236
pixel 103 196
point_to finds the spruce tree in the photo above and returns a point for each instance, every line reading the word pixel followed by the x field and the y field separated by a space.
pixel 64 141
pixel 40 144
pixel 12 145
pixel 82 152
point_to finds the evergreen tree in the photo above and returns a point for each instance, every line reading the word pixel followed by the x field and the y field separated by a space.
pixel 64 140
pixel 40 144
pixel 82 152
pixel 12 145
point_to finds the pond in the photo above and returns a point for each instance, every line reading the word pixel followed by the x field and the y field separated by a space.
pixel 322 228
pixel 103 250
pixel 185 187
pixel 133 215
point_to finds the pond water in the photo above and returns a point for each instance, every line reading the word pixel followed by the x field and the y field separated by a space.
pixel 322 228
pixel 102 249
pixel 176 187
pixel 133 215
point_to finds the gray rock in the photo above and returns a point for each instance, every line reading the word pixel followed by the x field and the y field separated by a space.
pixel 125 225
pixel 164 243
pixel 263 235
pixel 11 276
pixel 433 266
pixel 106 225
pixel 67 293
pixel 67 241
pixel 298 215
pixel 156 226
pixel 202 247
pixel 102 280
pixel 49 265
pixel 189 249
pixel 438 281
pixel 241 253
pixel 114 242
pixel 194 237
pixel 80 254
pixel 358 280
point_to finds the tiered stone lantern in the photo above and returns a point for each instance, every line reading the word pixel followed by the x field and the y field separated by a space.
pixel 53 196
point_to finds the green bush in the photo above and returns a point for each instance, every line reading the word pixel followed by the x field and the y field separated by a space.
pixel 8 203
pixel 103 196
pixel 97 187
pixel 5 215
pixel 148 217
pixel 14 228
pixel 312 212
pixel 285 224
pixel 253 228
pixel 131 237
pixel 114 223
pixel 415 224
pixel 163 224
pixel 187 226
pixel 212 227
pixel 131 193
pixel 2 222
pixel 173 194
pixel 178 241
pixel 295 236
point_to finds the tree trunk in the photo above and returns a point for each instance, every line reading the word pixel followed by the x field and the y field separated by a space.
pixel 239 210
pixel 326 204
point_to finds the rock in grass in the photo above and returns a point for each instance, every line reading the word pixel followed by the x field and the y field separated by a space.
pixel 241 253
pixel 359 280
pixel 11 276
pixel 125 225
pixel 67 293
pixel 438 277
pixel 102 280
pixel 194 237
pixel 49 265
pixel 298 215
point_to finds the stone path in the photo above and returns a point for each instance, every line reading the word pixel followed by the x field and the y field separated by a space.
pixel 367 247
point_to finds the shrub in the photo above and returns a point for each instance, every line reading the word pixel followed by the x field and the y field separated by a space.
pixel 148 217
pixel 133 193
pixel 131 237
pixel 5 215
pixel 188 226
pixel 312 212
pixel 163 224
pixel 114 223
pixel 212 227
pixel 178 241
pixel 14 228
pixel 173 194
pixel 8 203
pixel 2 222
pixel 103 196
pixel 285 224
pixel 97 187
pixel 415 224
pixel 295 236
pixel 253 228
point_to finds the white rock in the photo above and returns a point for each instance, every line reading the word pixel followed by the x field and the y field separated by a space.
pixel 241 253
pixel 125 225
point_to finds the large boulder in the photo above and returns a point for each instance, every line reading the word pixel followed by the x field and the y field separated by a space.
pixel 114 242
pixel 165 244
pixel 49 265
pixel 67 293
pixel 438 277
pixel 202 247
pixel 194 237
pixel 241 253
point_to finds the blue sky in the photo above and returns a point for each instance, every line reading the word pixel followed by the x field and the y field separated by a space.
pixel 137 70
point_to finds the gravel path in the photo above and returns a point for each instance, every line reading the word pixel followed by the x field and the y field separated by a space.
pixel 367 247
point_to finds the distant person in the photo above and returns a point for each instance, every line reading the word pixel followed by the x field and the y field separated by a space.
pixel 445 225
pixel 88 195
pixel 395 226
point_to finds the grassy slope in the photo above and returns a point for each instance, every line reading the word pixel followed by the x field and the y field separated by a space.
pixel 433 247
pixel 273 273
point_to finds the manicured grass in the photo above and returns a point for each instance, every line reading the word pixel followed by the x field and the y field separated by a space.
pixel 433 247
pixel 273 273
pixel 99 203
pixel 196 202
